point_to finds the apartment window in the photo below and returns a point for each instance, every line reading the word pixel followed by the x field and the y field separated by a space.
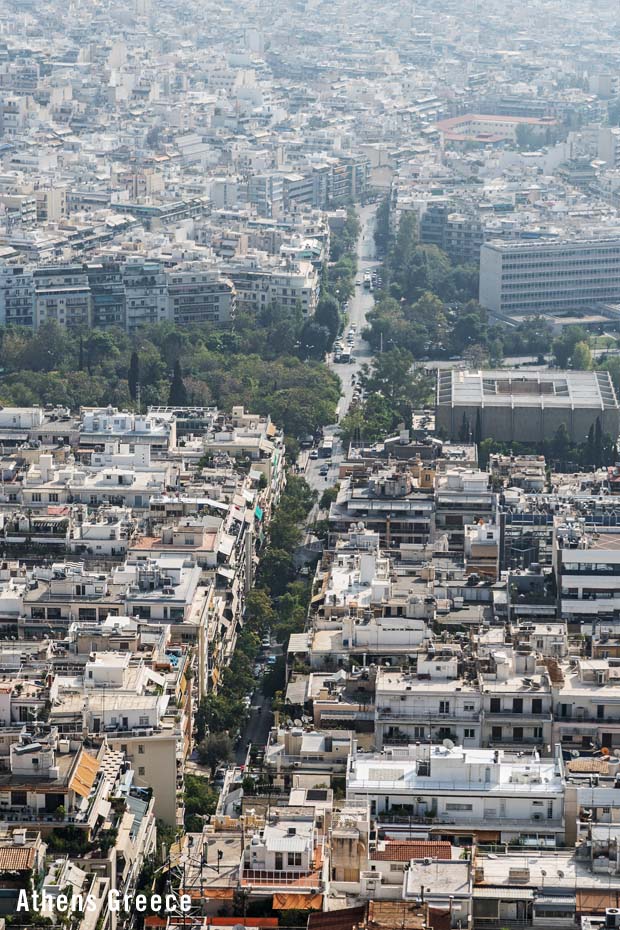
pixel 140 770
pixel 294 858
pixel 536 705
pixel 538 732
pixel 517 734
pixel 459 807
pixel 140 749
pixel 469 707
pixel 517 705
pixel 143 721
pixel 36 497
pixel 496 706
pixel 469 733
pixel 444 707
pixel 496 734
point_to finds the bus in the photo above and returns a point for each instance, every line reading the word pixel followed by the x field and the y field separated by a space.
pixel 326 449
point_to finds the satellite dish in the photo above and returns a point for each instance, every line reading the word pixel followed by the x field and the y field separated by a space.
pixel 448 744
pixel 575 753
pixel 617 753
pixel 296 723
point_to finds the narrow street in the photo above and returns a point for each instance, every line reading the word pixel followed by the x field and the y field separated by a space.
pixel 257 727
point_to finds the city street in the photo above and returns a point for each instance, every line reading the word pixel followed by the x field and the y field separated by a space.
pixel 256 729
pixel 360 304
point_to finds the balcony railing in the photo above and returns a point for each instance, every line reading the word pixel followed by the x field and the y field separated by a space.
pixel 588 718
pixel 420 717
pixel 264 878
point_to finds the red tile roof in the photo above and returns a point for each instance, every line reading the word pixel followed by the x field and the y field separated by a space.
pixel 413 849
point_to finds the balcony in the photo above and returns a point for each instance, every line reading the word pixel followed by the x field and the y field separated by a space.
pixel 492 820
pixel 517 598
pixel 420 717
pixel 607 720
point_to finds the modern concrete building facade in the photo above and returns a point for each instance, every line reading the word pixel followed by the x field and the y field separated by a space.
pixel 545 275
pixel 526 406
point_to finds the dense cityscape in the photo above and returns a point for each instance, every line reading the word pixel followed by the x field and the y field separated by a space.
pixel 309 465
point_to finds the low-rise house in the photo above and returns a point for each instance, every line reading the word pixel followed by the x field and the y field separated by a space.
pixel 285 858
pixel 320 752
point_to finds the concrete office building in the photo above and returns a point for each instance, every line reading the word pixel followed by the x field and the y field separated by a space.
pixel 546 275
pixel 526 406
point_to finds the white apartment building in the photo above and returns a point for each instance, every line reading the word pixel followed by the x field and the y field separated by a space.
pixel 462 793
pixel 101 425
pixel 287 283
pixel 462 498
pixel 433 704
pixel 587 570
pixel 544 275
pixel 516 700
pixel 586 697
pixel 146 293
pixel 199 295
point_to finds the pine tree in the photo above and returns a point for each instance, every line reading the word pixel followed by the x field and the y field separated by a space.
pixel 598 443
pixel 178 391
pixel 589 453
pixel 133 375
pixel 560 444
pixel 464 432
pixel 478 429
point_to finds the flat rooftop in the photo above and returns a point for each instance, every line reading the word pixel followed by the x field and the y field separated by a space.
pixel 542 389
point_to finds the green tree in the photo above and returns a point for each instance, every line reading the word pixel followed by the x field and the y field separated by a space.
pixel 598 443
pixel 214 749
pixel 327 315
pixel 612 365
pixel 259 611
pixel 564 345
pixel 328 497
pixel 200 802
pixel 560 444
pixel 133 375
pixel 178 392
pixel 201 720
pixel 478 429
pixel 276 568
pixel 223 712
pixel 581 358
